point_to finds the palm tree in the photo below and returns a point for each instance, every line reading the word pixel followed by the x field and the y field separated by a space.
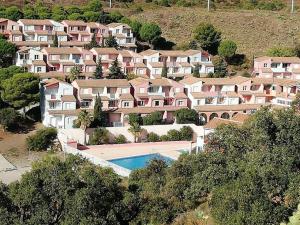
pixel 135 130
pixel 84 119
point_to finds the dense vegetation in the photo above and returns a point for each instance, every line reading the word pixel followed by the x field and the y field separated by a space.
pixel 248 174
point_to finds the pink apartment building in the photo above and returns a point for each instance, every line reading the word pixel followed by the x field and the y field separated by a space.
pixel 277 67
pixel 11 30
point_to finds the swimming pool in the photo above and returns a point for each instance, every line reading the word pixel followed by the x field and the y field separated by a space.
pixel 138 162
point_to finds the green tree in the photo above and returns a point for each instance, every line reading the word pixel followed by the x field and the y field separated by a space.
pixel 75 73
pixel 98 74
pixel 227 49
pixel 134 118
pixel 111 42
pixel 154 118
pixel 75 16
pixel 196 71
pixel 281 52
pixel 186 133
pixel 220 67
pixel 7 53
pixel 55 41
pixel 99 136
pixel 164 71
pixel 13 13
pixel 149 32
pixel 208 37
pixel 186 116
pixel 42 139
pixel 58 13
pixel 72 191
pixel 93 43
pixel 120 139
pixel 8 72
pixel 294 219
pixel 9 118
pixel 99 115
pixel 94 5
pixel 136 131
pixel 85 120
pixel 91 16
pixel 29 12
pixel 115 71
pixel 21 90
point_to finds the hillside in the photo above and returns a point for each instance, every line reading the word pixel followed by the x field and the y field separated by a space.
pixel 254 31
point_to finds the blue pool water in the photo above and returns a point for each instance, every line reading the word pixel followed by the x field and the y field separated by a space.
pixel 138 162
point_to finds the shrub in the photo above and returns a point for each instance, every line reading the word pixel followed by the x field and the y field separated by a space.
pixel 9 118
pixel 99 136
pixel 120 139
pixel 227 49
pixel 153 137
pixel 134 118
pixel 155 118
pixel 174 135
pixel 164 137
pixel 186 133
pixel 186 116
pixel 42 139
pixel 281 52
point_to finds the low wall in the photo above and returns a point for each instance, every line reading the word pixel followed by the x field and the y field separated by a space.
pixel 77 134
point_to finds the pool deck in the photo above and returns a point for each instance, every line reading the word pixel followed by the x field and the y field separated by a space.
pixel 115 151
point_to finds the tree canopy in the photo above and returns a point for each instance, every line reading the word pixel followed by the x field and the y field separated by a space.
pixel 7 53
pixel 21 90
pixel 227 49
pixel 149 32
pixel 208 37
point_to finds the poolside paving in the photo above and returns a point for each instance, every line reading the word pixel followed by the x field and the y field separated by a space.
pixel 168 149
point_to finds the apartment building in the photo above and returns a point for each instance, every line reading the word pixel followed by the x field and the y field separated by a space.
pixel 123 34
pixel 58 104
pixel 132 62
pixel 277 67
pixel 10 29
pixel 31 59
pixel 115 94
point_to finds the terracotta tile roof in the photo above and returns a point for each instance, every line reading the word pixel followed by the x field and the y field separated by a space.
pixel 225 81
pixel 190 80
pixel 160 82
pixel 148 52
pixel 180 95
pixel 192 52
pixel 3 20
pixel 125 53
pixel 106 51
pixel 240 117
pixel 15 32
pixel 68 98
pixel 217 108
pixel 215 122
pixel 278 59
pixel 74 22
pixel 89 62
pixel 51 82
pixel 173 53
pixel 128 45
pixel 73 43
pixel 103 83
pixel 31 43
pixel 119 36
pixel 156 64
pixel 126 97
pixel 65 112
pixel 156 97
pixel 62 51
pixel 139 65
pixel 36 22
pixel 52 74
pixel 38 63
pixel 113 25
pixel 138 81
pixel 86 96
pixel 67 63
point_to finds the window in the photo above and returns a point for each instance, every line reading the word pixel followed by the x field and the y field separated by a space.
pixel 142 90
pixel 126 104
pixel 84 104
pixel 198 102
pixel 124 91
pixel 51 105
pixel 156 71
pixel 36 57
pixel 180 102
pixel 67 105
pixel 265 64
pixel 156 103
pixel 244 88
pixel 177 90
pixel 141 103
pixel 285 65
pixel 274 65
pixel 39 69
pixel 154 89
pixel 117 31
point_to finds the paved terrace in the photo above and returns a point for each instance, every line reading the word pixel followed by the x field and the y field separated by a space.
pixel 108 152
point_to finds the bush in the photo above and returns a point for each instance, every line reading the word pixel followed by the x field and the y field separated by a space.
pixel 186 133
pixel 155 118
pixel 153 137
pixel 99 136
pixel 281 52
pixel 42 139
pixel 184 116
pixel 134 118
pixel 164 137
pixel 174 135
pixel 9 118
pixel 120 139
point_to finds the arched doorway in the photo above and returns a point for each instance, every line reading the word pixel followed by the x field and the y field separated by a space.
pixel 213 115
pixel 202 119
pixel 225 115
